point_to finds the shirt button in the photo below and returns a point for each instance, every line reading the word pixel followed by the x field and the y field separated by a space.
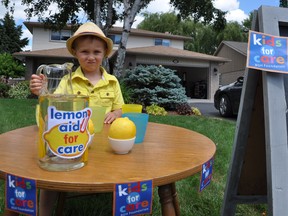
pixel 78 92
pixel 107 94
pixel 92 92
pixel 89 84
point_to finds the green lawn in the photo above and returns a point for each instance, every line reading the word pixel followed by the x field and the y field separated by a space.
pixel 20 113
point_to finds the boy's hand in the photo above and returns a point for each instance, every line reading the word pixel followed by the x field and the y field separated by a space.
pixel 111 116
pixel 36 83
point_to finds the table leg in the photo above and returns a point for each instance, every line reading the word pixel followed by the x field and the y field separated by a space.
pixel 168 200
pixel 60 204
pixel 175 199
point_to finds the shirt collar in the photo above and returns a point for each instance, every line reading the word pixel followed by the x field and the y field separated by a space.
pixel 78 73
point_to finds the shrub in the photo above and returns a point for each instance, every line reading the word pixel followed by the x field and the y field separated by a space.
pixel 20 90
pixel 4 88
pixel 155 85
pixel 10 67
pixel 126 92
pixel 183 109
pixel 156 110
pixel 196 111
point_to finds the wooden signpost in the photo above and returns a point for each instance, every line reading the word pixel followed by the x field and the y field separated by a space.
pixel 258 171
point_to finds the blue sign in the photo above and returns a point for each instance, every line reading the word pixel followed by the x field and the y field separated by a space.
pixel 133 198
pixel 206 174
pixel 267 52
pixel 21 195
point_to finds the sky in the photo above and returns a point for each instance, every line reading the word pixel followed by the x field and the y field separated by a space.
pixel 238 10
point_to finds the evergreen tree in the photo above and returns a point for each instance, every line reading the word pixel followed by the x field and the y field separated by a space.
pixel 155 85
pixel 10 35
pixel 283 3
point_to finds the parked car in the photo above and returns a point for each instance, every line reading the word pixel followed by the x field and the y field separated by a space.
pixel 227 98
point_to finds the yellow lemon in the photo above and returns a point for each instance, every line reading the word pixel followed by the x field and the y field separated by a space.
pixel 91 127
pixel 122 128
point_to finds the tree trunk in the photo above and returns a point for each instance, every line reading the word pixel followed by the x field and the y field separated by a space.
pixel 109 17
pixel 130 11
pixel 106 27
pixel 97 12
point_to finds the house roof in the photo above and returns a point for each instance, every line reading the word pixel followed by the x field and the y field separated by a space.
pixel 118 30
pixel 59 52
pixel 174 52
pixel 240 47
pixel 152 50
pixel 146 33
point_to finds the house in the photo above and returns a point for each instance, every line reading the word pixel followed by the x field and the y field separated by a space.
pixel 237 52
pixel 198 72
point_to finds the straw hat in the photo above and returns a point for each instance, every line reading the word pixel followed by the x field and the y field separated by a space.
pixel 89 28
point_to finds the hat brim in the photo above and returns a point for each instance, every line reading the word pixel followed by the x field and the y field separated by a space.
pixel 107 40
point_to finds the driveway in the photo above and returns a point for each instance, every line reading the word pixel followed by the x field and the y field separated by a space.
pixel 208 109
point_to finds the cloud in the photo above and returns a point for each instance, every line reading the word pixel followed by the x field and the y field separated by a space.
pixel 232 9
pixel 19 12
pixel 236 15
pixel 158 6
pixel 226 5
pixel 155 6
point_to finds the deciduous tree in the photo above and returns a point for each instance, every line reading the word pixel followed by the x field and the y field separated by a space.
pixel 204 38
pixel 201 10
pixel 162 22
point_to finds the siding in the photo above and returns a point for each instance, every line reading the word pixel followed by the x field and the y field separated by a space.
pixel 230 71
pixel 41 41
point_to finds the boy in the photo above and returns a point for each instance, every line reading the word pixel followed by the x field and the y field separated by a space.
pixel 90 46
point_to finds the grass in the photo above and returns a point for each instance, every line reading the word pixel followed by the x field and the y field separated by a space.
pixel 16 113
pixel 20 113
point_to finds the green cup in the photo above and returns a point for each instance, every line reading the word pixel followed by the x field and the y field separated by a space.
pixel 98 116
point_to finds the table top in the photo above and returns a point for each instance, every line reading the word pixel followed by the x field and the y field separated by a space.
pixel 168 154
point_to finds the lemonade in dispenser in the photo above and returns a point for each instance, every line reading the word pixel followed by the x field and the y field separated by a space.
pixel 63 121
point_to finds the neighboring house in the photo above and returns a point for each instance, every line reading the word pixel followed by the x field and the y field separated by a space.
pixel 237 52
pixel 198 72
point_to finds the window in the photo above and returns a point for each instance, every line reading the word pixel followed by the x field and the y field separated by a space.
pixel 115 38
pixel 62 35
pixel 162 42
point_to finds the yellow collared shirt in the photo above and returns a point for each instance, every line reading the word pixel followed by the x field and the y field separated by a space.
pixel 106 92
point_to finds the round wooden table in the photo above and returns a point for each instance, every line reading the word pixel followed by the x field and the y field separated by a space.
pixel 168 154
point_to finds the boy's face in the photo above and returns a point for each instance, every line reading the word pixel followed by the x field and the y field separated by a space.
pixel 90 52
